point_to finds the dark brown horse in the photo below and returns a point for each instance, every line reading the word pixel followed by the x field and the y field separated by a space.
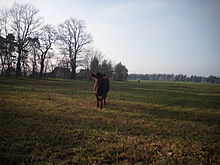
pixel 101 88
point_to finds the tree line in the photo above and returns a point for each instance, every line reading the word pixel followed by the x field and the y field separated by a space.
pixel 173 77
pixel 29 46
pixel 96 63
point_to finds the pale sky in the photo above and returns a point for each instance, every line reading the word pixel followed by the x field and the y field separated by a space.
pixel 148 36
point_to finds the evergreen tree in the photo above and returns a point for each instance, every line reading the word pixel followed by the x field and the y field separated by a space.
pixel 110 70
pixel 120 72
pixel 106 68
pixel 94 65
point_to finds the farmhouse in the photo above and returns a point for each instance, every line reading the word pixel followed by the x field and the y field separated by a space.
pixel 84 74
pixel 2 42
pixel 60 72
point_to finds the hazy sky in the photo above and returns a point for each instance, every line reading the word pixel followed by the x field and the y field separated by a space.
pixel 148 36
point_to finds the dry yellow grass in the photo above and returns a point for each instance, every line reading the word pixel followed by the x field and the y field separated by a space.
pixel 54 121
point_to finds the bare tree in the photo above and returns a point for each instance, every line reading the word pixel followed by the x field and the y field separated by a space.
pixel 34 55
pixel 7 48
pixel 88 57
pixel 4 27
pixel 74 38
pixel 24 22
pixel 3 40
pixel 49 66
pixel 46 38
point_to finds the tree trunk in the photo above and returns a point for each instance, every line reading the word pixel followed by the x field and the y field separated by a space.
pixel 3 66
pixel 41 68
pixel 33 71
pixel 73 67
pixel 43 56
pixel 8 73
pixel 73 74
pixel 34 64
pixel 2 71
pixel 18 67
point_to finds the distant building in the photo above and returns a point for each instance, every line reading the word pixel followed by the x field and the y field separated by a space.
pixel 8 40
pixel 84 74
pixel 11 71
pixel 2 42
pixel 8 72
pixel 59 72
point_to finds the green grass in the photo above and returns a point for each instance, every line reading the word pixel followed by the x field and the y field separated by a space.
pixel 55 121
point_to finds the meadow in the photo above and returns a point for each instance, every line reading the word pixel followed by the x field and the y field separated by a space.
pixel 55 121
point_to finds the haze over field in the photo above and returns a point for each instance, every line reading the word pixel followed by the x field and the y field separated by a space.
pixel 148 36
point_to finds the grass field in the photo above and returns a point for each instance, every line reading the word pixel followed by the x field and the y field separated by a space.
pixel 55 121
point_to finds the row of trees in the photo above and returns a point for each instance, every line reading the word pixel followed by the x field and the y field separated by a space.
pixel 28 45
pixel 172 77
pixel 117 72
pixel 29 40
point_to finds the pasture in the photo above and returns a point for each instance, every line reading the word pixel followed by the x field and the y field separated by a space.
pixel 55 121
